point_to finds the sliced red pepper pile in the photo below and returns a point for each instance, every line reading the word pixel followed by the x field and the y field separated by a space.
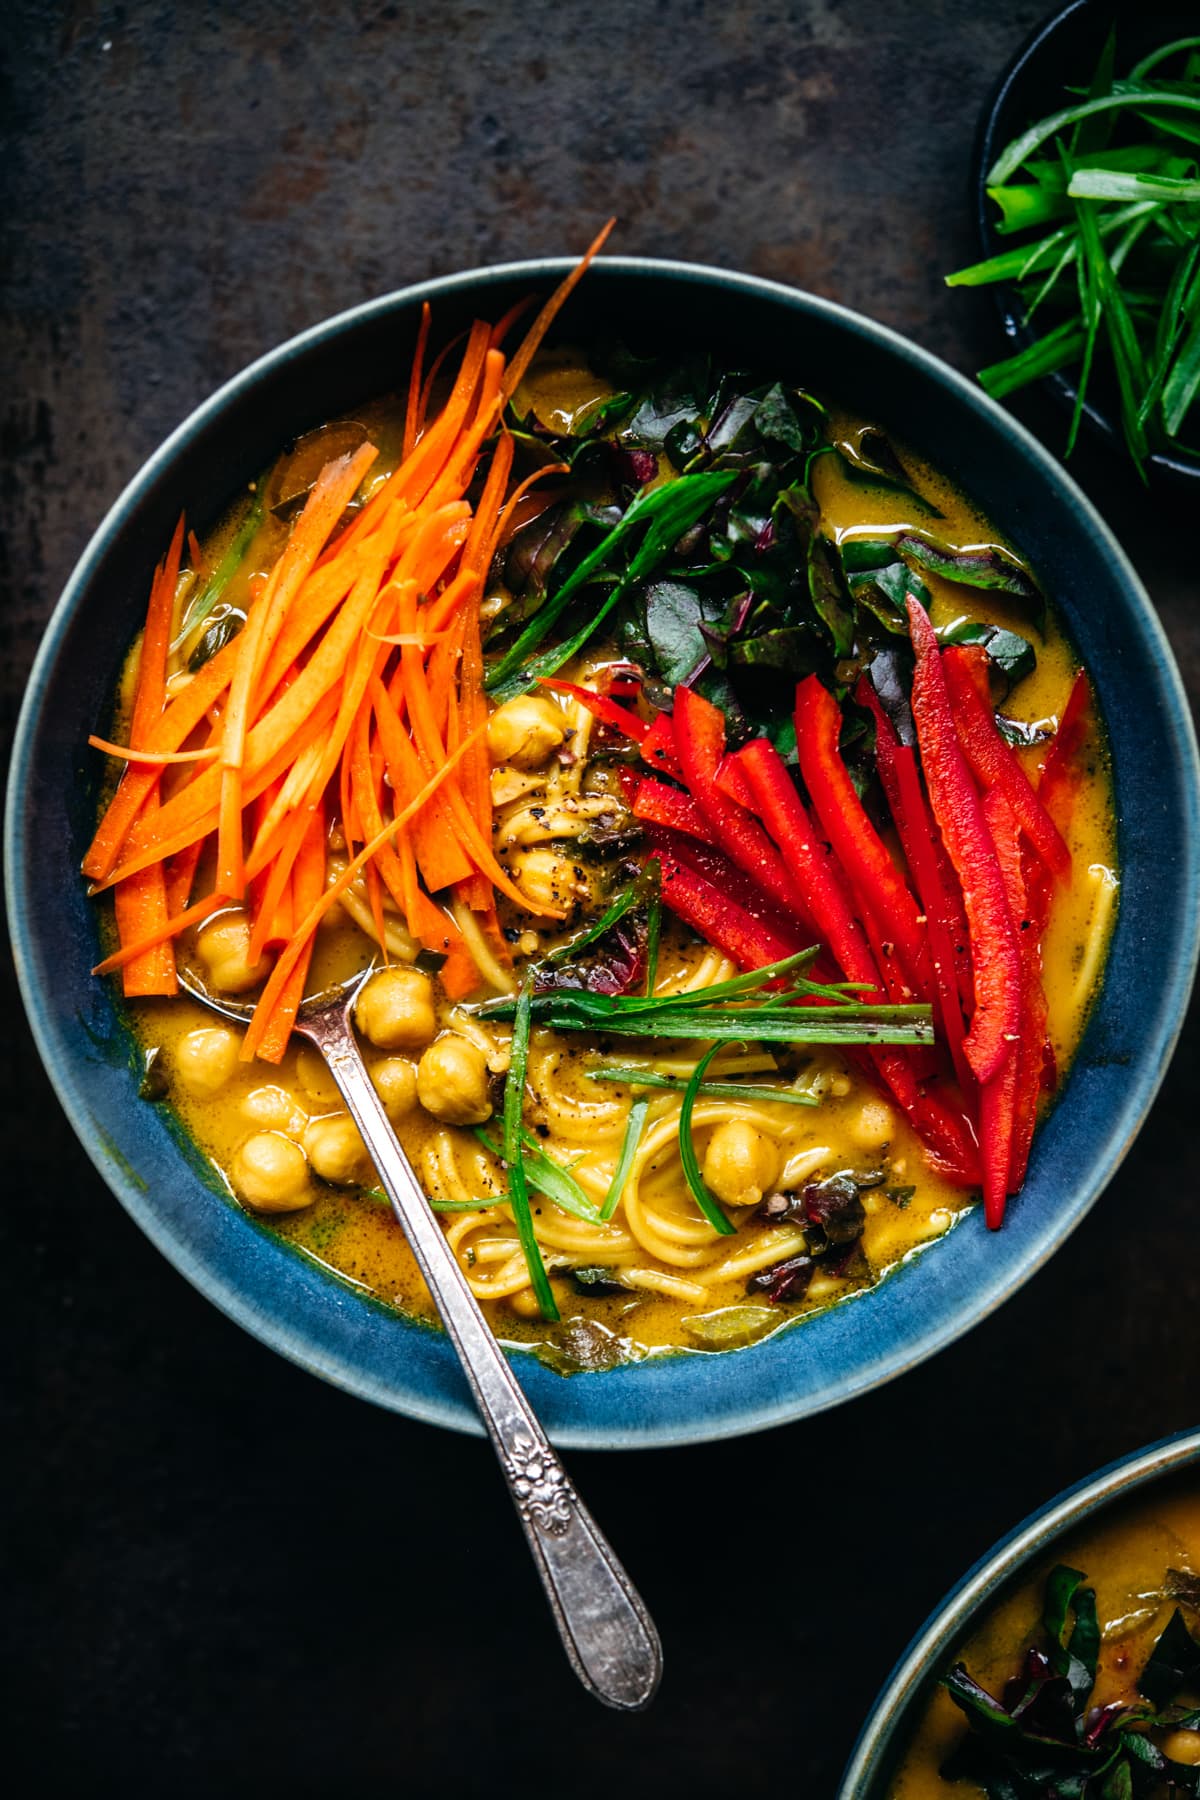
pixel 761 864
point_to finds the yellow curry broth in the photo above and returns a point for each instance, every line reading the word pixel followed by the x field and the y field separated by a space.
pixel 1125 1559
pixel 358 1239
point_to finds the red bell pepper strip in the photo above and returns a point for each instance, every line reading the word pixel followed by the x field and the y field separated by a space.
pixel 658 804
pixel 995 958
pixel 857 845
pixel 1061 780
pixel 948 1138
pixel 993 763
pixel 700 741
pixel 897 765
pixel 626 722
pixel 785 816
pixel 718 919
pixel 715 868
pixel 1009 1103
pixel 658 747
pixel 1058 790
pixel 947 1134
pixel 1035 1053
pixel 733 784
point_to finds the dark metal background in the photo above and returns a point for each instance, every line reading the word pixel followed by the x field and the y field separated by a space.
pixel 225 1578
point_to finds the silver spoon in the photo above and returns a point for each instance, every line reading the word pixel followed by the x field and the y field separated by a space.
pixel 605 1628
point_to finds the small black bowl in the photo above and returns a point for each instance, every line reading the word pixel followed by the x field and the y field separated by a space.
pixel 1061 53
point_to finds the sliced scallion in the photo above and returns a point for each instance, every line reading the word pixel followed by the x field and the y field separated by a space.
pixel 634 1126
pixel 518 1192
pixel 709 1090
pixel 708 1203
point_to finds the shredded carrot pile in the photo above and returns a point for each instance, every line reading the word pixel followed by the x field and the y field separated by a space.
pixel 355 689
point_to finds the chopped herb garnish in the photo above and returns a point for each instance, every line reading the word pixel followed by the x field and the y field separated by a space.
pixel 1109 186
pixel 634 1126
pixel 709 1090
pixel 518 1192
pixel 705 1200
pixel 546 1176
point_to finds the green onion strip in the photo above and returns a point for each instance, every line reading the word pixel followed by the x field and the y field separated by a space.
pixel 705 1200
pixel 634 1126
pixel 709 1090
pixel 518 1192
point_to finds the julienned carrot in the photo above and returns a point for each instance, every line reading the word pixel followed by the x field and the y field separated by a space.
pixel 431 750
pixel 414 385
pixel 275 732
pixel 531 342
pixel 181 875
pixel 325 505
pixel 192 813
pixel 141 903
pixel 308 884
pixel 175 725
pixel 126 753
pixel 299 698
pixel 440 857
pixel 278 978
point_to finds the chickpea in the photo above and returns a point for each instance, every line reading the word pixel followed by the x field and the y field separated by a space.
pixel 740 1164
pixel 526 1305
pixel 452 1081
pixel 316 1083
pixel 395 1081
pixel 1182 1747
pixel 547 879
pixel 224 951
pixel 524 731
pixel 335 1150
pixel 205 1059
pixel 270 1173
pixel 273 1109
pixel 873 1126
pixel 395 1009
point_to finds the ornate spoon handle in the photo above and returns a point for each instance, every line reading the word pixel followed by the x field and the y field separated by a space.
pixel 605 1628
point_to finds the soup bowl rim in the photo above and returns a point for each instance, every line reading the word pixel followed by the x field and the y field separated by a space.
pixel 624 1424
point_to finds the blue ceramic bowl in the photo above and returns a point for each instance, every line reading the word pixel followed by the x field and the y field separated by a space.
pixel 331 1329
pixel 899 1708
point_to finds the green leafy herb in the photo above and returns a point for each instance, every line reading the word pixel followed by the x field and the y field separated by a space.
pixel 543 1174
pixel 206 599
pixel 732 1010
pixel 518 1192
pixel 1105 191
pixel 709 1090
pixel 653 928
pixel 663 514
pixel 1012 654
pixel 1174 1663
pixel 215 637
pixel 634 1126
pixel 707 1201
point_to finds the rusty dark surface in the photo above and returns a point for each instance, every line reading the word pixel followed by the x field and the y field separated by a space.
pixel 224 1577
